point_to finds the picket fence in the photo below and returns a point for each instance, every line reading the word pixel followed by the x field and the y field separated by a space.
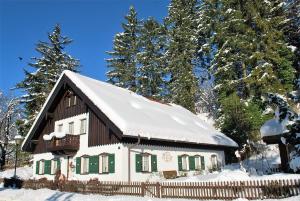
pixel 224 190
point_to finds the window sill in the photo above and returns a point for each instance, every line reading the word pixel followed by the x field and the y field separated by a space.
pixel 146 172
pixel 103 172
pixel 84 173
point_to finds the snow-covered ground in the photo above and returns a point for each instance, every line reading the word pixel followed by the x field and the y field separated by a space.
pixel 22 172
pixel 50 195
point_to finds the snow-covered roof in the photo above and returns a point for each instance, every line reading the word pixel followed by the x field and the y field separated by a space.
pixel 136 115
pixel 273 127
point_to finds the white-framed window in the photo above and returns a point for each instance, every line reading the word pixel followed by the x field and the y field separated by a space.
pixel 214 161
pixel 41 167
pixel 197 162
pixel 60 128
pixel 146 163
pixel 71 127
pixel 54 166
pixel 82 126
pixel 185 162
pixel 103 163
pixel 75 100
pixel 84 165
pixel 69 101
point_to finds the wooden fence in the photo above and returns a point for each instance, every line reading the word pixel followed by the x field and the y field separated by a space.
pixel 225 190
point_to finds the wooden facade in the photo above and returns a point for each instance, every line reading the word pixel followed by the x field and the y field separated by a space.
pixel 63 107
pixel 99 132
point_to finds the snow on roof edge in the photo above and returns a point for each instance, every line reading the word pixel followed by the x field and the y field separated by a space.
pixel 73 77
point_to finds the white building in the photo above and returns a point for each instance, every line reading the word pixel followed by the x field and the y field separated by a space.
pixel 91 129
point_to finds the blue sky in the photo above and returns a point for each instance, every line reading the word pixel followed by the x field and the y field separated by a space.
pixel 92 25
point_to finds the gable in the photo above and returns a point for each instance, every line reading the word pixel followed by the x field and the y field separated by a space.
pixel 57 107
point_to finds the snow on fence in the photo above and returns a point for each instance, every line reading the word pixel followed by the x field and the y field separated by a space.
pixel 259 189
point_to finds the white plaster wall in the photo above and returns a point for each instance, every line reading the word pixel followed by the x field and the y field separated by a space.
pixel 172 164
pixel 121 157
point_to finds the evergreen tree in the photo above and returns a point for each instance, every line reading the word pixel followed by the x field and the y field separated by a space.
pixel 292 30
pixel 151 60
pixel 252 57
pixel 123 64
pixel 38 84
pixel 181 52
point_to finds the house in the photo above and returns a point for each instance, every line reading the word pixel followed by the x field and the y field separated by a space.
pixel 92 129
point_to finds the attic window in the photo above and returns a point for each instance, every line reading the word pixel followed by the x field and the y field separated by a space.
pixel 71 100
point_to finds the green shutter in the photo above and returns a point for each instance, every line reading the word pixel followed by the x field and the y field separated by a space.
pixel 58 164
pixel 191 162
pixel 179 163
pixel 47 166
pixel 154 163
pixel 37 167
pixel 94 164
pixel 111 163
pixel 138 163
pixel 78 165
pixel 202 163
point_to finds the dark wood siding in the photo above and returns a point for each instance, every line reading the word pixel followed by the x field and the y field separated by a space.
pixel 99 132
pixel 62 111
pixel 47 128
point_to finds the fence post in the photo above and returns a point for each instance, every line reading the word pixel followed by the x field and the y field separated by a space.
pixel 143 189
pixel 157 189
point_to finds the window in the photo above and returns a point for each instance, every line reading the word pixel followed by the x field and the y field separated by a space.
pixel 214 161
pixel 41 167
pixel 60 128
pixel 71 127
pixel 84 165
pixel 185 160
pixel 197 162
pixel 69 101
pixel 74 100
pixel 83 126
pixel 54 166
pixel 103 163
pixel 145 163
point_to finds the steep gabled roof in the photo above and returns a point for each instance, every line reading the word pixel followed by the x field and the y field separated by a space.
pixel 136 115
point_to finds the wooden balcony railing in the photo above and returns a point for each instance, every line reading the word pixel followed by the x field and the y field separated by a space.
pixel 66 145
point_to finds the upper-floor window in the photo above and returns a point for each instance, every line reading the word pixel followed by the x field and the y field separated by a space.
pixel 71 100
pixel 71 127
pixel 60 128
pixel 83 126
pixel 74 100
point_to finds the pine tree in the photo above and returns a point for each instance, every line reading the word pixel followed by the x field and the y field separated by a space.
pixel 292 30
pixel 151 60
pixel 48 67
pixel 123 64
pixel 252 57
pixel 181 52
